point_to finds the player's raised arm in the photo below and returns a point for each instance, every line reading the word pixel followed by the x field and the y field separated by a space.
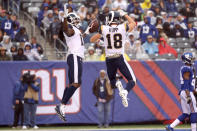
pixel 95 38
pixel 132 23
pixel 66 29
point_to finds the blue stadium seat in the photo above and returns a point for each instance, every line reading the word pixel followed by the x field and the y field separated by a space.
pixel 181 40
pixel 173 40
pixel 179 50
pixel 168 56
pixel 183 45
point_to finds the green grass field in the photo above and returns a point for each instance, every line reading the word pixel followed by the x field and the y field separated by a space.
pixel 113 127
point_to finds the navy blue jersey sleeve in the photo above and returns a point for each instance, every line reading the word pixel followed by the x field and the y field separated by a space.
pixel 100 29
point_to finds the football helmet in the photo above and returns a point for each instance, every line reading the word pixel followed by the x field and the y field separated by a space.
pixel 74 20
pixel 113 17
pixel 188 58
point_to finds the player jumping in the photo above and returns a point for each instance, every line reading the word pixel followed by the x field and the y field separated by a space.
pixel 188 101
pixel 75 55
pixel 114 34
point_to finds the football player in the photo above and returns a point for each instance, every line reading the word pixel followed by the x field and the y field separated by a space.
pixel 75 55
pixel 188 101
pixel 114 34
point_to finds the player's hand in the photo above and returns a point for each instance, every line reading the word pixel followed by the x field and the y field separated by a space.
pixel 88 29
pixel 122 13
pixel 17 101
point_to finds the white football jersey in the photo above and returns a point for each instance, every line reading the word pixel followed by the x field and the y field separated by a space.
pixel 75 43
pixel 114 38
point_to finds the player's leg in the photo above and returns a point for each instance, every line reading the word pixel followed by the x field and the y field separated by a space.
pixel 127 72
pixel 100 108
pixel 186 111
pixel 193 115
pixel 107 108
pixel 111 71
pixel 74 74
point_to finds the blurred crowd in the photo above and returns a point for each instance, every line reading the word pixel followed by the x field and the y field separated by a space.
pixel 162 25
pixel 165 28
pixel 15 43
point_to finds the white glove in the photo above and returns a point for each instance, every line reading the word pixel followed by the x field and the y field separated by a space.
pixel 122 13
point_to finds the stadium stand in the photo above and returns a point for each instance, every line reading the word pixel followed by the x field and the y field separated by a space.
pixel 174 25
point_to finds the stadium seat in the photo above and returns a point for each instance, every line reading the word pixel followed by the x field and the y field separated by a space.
pixel 189 50
pixel 179 50
pixel 168 56
pixel 174 45
pixel 191 40
pixel 181 40
pixel 184 45
pixel 173 40
pixel 192 19
pixel 132 56
pixel 155 56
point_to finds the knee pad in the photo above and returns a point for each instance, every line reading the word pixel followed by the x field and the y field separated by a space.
pixel 193 118
pixel 182 117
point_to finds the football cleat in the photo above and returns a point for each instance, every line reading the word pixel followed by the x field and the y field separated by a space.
pixel 123 94
pixel 119 86
pixel 168 128
pixel 59 111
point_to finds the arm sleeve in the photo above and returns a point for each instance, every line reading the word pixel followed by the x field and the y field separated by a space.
pixel 101 29
pixel 126 27
pixel 36 88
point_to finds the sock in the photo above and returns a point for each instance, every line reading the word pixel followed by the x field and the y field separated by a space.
pixel 130 85
pixel 193 126
pixel 68 94
pixel 175 123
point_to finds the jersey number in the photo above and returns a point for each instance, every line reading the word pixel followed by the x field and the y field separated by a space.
pixel 117 41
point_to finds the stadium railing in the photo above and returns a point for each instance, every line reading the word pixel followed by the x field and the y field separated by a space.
pixel 60 48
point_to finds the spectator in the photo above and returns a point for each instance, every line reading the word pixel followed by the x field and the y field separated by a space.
pixel 61 15
pixel 131 38
pixel 146 5
pixel 55 28
pixel 18 102
pixel 70 4
pixel 162 5
pixel 1 35
pixel 7 25
pixel 119 4
pixel 139 51
pixel 56 4
pixel 150 14
pixel 3 56
pixel 35 45
pixel 104 93
pixel 30 103
pixel 13 50
pixel 91 56
pixel 103 3
pixel 2 16
pixel 150 46
pixel 170 6
pixel 161 33
pixel 14 20
pixel 159 21
pixel 82 12
pixel 138 14
pixel 32 55
pixel 42 13
pixel 20 56
pixel 178 31
pixel 48 19
pixel 195 42
pixel 22 35
pixel 55 12
pixel 167 30
pixel 181 21
pixel 187 10
pixel 164 48
pixel 7 44
pixel 130 7
pixel 157 10
pixel 102 15
pixel 190 32
pixel 148 29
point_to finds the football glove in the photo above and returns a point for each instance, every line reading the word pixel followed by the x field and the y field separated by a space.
pixel 122 13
